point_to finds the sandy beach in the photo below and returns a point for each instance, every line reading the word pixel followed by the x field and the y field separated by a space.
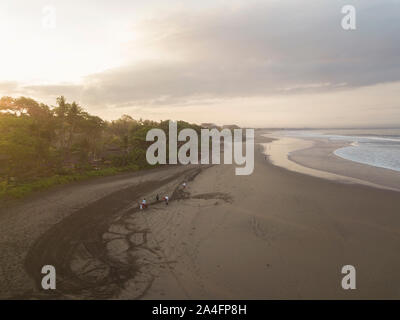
pixel 181 158
pixel 320 156
pixel 275 234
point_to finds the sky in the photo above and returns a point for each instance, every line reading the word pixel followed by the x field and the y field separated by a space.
pixel 270 63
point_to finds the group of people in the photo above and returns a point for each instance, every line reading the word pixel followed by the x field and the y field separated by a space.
pixel 143 204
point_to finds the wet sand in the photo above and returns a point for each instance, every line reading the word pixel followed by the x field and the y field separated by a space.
pixel 321 157
pixel 275 234
pixel 283 235
pixel 52 226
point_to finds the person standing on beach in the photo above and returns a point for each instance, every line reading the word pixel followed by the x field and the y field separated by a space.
pixel 144 203
pixel 166 199
pixel 157 197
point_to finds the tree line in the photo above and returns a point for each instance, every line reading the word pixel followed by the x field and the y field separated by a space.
pixel 37 140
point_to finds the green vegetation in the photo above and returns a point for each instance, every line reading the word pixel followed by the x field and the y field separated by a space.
pixel 42 146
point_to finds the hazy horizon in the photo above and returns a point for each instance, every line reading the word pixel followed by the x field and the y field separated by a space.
pixel 251 63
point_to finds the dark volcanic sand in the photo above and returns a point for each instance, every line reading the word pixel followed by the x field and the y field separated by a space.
pixel 274 234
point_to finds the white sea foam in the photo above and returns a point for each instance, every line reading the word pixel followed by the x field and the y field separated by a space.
pixel 378 149
pixel 373 154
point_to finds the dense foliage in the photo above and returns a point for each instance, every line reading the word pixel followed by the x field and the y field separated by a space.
pixel 38 141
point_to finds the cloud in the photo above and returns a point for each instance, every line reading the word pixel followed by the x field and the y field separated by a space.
pixel 9 87
pixel 258 49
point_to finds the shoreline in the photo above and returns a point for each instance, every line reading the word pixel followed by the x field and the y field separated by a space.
pixel 275 234
pixel 316 157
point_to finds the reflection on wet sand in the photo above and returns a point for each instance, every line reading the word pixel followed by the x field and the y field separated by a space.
pixel 280 150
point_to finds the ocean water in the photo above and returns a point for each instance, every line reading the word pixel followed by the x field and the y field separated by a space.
pixel 378 148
